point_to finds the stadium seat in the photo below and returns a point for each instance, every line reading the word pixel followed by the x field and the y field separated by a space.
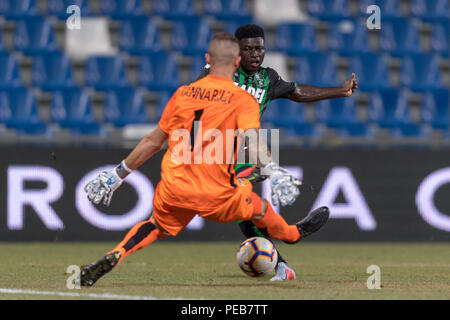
pixel 163 99
pixel 341 114
pixel 226 9
pixel 270 13
pixel 174 9
pixel 389 109
pixel 371 70
pixel 52 71
pixel 290 117
pixel 71 108
pixel 430 10
pixel 316 69
pixel 440 38
pixel 121 9
pixel 329 9
pixel 106 72
pixel 139 35
pixel 295 38
pixel 18 9
pixel 399 37
pixel 19 110
pixel 435 109
pixel 58 8
pixel 420 72
pixel 125 106
pixel 232 24
pixel 348 37
pixel 159 71
pixel 93 39
pixel 9 70
pixel 389 8
pixel 34 35
pixel 191 36
pixel 197 65
pixel 1 40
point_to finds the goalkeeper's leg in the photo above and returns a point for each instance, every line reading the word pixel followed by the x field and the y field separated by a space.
pixel 140 236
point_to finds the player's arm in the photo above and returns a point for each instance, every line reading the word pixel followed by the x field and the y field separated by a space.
pixel 310 93
pixel 101 189
pixel 146 148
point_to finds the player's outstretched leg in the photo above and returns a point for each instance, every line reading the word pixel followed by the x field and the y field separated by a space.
pixel 282 269
pixel 253 174
pixel 279 229
pixel 140 236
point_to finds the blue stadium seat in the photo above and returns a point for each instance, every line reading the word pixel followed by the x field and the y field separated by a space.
pixel 232 24
pixel 348 37
pixel 139 35
pixel 163 99
pixel 121 9
pixel 389 8
pixel 191 36
pixel 329 9
pixel 106 72
pixel 9 71
pixel 52 71
pixel 440 38
pixel 1 40
pixel 227 9
pixel 371 70
pixel 316 69
pixel 125 106
pixel 174 9
pixel 389 109
pixel 400 37
pixel 296 38
pixel 71 108
pixel 58 8
pixel 290 117
pixel 430 10
pixel 34 35
pixel 435 109
pixel 18 9
pixel 341 114
pixel 159 71
pixel 420 72
pixel 19 110
pixel 197 64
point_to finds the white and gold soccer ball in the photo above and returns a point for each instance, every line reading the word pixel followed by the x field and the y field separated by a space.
pixel 257 256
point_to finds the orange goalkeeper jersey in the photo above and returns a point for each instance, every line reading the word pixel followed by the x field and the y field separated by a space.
pixel 201 120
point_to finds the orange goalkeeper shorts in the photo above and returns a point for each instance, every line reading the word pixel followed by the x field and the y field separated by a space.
pixel 240 206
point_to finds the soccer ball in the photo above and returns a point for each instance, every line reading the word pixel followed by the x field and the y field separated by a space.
pixel 257 256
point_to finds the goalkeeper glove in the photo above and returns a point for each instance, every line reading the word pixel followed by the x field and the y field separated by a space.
pixel 284 187
pixel 102 188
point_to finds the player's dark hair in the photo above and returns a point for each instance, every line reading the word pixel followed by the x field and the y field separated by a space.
pixel 249 31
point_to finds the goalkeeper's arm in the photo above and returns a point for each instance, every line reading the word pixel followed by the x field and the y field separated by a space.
pixel 145 149
pixel 101 189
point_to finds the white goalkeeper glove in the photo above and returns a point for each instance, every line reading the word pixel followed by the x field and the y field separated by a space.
pixel 102 188
pixel 284 186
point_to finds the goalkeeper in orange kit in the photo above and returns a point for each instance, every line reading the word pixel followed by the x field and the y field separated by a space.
pixel 208 188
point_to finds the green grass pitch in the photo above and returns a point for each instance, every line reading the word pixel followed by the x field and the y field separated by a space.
pixel 195 270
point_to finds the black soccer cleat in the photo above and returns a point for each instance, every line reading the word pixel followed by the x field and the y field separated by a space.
pixel 315 220
pixel 94 271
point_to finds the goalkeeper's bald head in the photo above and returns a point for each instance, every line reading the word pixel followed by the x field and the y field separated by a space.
pixel 223 50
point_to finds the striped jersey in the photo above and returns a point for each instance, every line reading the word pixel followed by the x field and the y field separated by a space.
pixel 264 84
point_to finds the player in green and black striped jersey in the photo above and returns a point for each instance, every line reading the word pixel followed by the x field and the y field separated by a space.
pixel 266 85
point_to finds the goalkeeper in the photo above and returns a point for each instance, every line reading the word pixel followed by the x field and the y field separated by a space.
pixel 266 85
pixel 210 190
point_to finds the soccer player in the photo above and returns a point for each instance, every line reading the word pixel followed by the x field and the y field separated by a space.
pixel 266 85
pixel 189 186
